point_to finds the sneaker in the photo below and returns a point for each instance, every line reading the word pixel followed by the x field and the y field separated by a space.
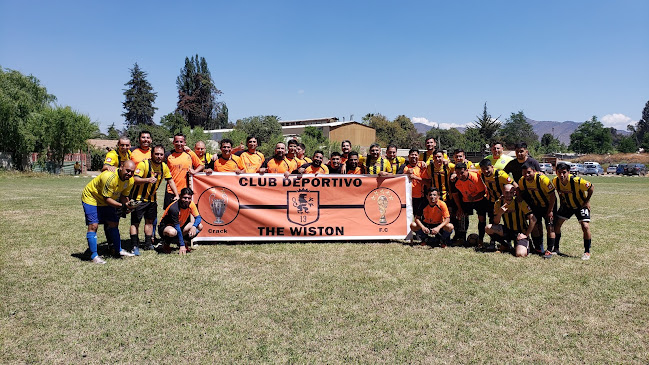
pixel 556 253
pixel 136 251
pixel 586 256
pixel 148 247
pixel 547 255
pixel 98 260
pixel 124 253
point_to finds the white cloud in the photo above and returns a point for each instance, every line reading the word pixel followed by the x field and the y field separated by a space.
pixel 619 121
pixel 436 124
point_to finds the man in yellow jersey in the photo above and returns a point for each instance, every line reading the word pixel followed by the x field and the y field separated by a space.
pixel 497 158
pixel 315 167
pixel 397 162
pixel 148 177
pixel 201 151
pixel 182 163
pixel 180 221
pixel 517 222
pixel 250 160
pixel 574 194
pixel 334 165
pixel 433 222
pixel 431 147
pixel 418 175
pixel 494 180
pixel 459 156
pixel 542 199
pixel 100 199
pixel 115 157
pixel 375 164
pixel 300 150
pixel 353 165
pixel 143 151
pixel 226 162
pixel 278 164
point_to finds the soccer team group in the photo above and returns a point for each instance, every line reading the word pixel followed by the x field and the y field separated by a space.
pixel 512 199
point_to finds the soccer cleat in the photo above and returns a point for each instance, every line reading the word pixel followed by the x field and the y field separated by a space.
pixel 586 256
pixel 547 255
pixel 148 247
pixel 124 253
pixel 136 251
pixel 98 260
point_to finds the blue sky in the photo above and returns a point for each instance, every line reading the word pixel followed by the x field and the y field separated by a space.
pixel 434 61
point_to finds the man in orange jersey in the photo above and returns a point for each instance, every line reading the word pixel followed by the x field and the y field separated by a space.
pixel 300 150
pixel 418 175
pixel 314 167
pixel 278 164
pixel 334 165
pixel 291 155
pixel 143 151
pixel 180 221
pixel 226 162
pixel 201 151
pixel 182 163
pixel 469 196
pixel 353 165
pixel 518 221
pixel 148 177
pixel 250 160
pixel 433 223
pixel 346 148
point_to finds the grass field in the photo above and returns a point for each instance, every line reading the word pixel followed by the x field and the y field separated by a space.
pixel 322 303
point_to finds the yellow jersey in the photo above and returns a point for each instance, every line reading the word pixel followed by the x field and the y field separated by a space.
pixel 495 188
pixel 572 194
pixel 381 164
pixel 515 218
pixel 114 158
pixel 106 185
pixel 146 169
pixel 539 190
pixel 440 176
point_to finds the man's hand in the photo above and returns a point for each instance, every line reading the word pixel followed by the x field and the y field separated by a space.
pixel 502 209
pixel 182 250
pixel 192 232
pixel 434 231
pixel 176 197
pixel 262 170
pixel 207 171
pixel 459 214
pixel 521 236
pixel 191 171
pixel 186 148
pixel 426 230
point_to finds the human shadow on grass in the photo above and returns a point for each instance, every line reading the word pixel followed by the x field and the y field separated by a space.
pixel 103 249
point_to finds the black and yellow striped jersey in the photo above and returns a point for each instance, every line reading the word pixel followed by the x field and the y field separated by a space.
pixel 573 194
pixel 440 176
pixel 515 218
pixel 381 164
pixel 539 190
pixel 495 183
pixel 146 169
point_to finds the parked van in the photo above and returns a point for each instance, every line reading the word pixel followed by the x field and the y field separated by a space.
pixel 593 168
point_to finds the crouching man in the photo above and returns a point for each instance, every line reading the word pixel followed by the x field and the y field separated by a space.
pixel 518 221
pixel 433 223
pixel 180 221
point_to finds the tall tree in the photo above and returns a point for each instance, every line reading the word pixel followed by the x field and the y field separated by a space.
pixel 591 137
pixel 113 133
pixel 640 131
pixel 551 144
pixel 264 127
pixel 197 93
pixel 22 100
pixel 139 99
pixel 66 131
pixel 174 122
pixel 518 129
pixel 487 126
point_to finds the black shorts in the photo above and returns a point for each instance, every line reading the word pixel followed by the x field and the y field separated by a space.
pixel 582 214
pixel 541 214
pixel 418 205
pixel 490 208
pixel 169 198
pixel 510 235
pixel 481 207
pixel 148 210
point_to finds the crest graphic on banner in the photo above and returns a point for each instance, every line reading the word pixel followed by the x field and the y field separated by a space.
pixel 303 206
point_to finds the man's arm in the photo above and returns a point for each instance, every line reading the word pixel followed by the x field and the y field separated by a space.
pixel 174 189
pixel 439 227
pixel 421 225
pixel 589 193
pixel 530 227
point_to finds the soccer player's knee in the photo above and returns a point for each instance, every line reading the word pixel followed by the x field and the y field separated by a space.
pixel 449 227
pixel 414 226
pixel 92 227
pixel 170 231
pixel 112 224
pixel 489 229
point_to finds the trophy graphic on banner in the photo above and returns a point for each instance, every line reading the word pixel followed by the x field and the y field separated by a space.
pixel 219 205
pixel 383 208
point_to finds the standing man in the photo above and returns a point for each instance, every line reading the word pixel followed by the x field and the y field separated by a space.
pixel 314 167
pixel 77 168
pixel 375 164
pixel 299 154
pixel 250 160
pixel 334 165
pixel 515 215
pixel 497 158
pixel 226 162
pixel 397 162
pixel 459 156
pixel 148 177
pixel 515 166
pixel 201 152
pixel 278 164
pixel 543 202
pixel 100 199
pixel 574 194
pixel 431 147
pixel 470 196
pixel 418 175
pixel 143 151
pixel 182 163
pixel 346 148
pixel 353 165
pixel 180 221
pixel 432 224
pixel 291 155
pixel 494 180
pixel 114 158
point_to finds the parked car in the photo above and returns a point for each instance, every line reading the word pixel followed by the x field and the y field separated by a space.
pixel 635 169
pixel 574 169
pixel 620 169
pixel 593 168
pixel 611 169
pixel 546 168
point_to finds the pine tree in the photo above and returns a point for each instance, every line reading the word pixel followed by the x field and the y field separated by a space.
pixel 197 94
pixel 139 99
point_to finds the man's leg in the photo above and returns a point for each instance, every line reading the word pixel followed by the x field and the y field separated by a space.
pixel 557 233
pixel 584 220
pixel 168 235
pixel 482 223
pixel 135 226
pixel 148 234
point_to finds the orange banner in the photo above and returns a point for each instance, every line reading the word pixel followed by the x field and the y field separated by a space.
pixel 270 207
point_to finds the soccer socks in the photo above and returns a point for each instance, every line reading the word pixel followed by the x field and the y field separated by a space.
pixel 537 241
pixel 108 238
pixel 135 240
pixel 92 244
pixel 556 242
pixel 587 245
pixel 481 227
pixel 551 244
pixel 113 233
pixel 148 240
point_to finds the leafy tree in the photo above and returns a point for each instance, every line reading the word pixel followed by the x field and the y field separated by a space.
pixel 159 135
pixel 401 131
pixel 139 99
pixel 197 93
pixel 517 129
pixel 486 126
pixel 264 127
pixel 627 145
pixel 474 140
pixel 551 144
pixel 237 136
pixel 385 130
pixel 222 120
pixel 174 122
pixel 22 100
pixel 640 131
pixel 591 137
pixel 193 135
pixel 65 131
pixel 447 139
pixel 113 133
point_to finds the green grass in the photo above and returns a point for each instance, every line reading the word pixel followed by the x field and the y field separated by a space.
pixel 323 303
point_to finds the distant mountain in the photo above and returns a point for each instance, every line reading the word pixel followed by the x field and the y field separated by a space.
pixel 560 130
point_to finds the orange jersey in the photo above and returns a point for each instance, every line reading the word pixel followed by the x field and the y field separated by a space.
pixel 138 155
pixel 278 167
pixel 357 171
pixel 223 165
pixel 309 168
pixel 473 187
pixel 179 165
pixel 175 215
pixel 250 162
pixel 435 214
pixel 417 185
